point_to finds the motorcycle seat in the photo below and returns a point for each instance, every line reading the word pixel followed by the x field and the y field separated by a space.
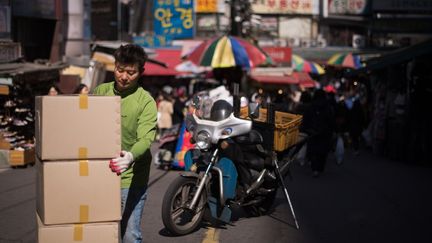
pixel 253 137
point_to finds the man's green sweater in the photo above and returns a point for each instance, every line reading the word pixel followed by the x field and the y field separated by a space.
pixel 138 127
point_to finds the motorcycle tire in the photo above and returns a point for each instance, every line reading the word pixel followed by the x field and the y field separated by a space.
pixel 174 206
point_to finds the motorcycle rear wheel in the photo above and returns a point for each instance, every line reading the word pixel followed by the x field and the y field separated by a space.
pixel 176 218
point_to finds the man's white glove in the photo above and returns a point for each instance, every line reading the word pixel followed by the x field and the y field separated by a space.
pixel 122 163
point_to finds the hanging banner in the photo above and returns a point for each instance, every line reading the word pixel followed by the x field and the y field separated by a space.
pixel 174 18
pixel 355 7
pixel 286 6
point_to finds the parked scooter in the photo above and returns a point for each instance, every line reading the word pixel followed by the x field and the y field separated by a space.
pixel 210 180
pixel 164 154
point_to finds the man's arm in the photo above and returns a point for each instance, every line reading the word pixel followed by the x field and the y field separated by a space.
pixel 146 130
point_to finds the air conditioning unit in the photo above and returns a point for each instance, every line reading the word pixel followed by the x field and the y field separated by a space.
pixel 314 43
pixel 322 43
pixel 294 42
pixel 306 43
pixel 358 41
pixel 281 42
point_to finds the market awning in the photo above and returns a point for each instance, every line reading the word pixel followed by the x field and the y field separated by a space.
pixel 299 78
pixel 399 56
pixel 170 57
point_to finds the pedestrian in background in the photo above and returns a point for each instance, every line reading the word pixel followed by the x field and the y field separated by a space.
pixel 165 110
pixel 138 124
pixel 318 122
pixel 81 89
pixel 179 106
pixel 54 90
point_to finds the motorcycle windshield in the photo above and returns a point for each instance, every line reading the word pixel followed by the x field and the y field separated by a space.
pixel 208 108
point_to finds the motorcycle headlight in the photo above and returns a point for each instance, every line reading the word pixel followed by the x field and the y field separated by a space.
pixel 203 140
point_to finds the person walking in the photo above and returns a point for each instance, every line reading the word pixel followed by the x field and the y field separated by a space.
pixel 138 128
pixel 318 123
pixel 165 108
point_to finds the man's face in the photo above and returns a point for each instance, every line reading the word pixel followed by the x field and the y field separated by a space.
pixel 126 75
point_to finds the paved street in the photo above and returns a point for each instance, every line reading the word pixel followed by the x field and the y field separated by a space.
pixel 366 199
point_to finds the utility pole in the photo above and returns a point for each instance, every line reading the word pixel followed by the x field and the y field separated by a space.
pixel 235 18
pixel 241 13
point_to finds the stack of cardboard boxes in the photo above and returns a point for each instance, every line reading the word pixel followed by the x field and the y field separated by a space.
pixel 78 197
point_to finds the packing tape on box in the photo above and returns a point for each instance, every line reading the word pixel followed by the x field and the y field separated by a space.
pixel 83 168
pixel 78 232
pixel 82 153
pixel 83 101
pixel 84 213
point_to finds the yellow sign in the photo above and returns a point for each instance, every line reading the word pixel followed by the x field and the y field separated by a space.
pixel 206 6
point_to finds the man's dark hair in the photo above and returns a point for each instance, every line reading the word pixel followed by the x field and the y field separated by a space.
pixel 131 54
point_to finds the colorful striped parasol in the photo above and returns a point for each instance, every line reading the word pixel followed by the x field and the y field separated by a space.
pixel 228 51
pixel 345 60
pixel 301 65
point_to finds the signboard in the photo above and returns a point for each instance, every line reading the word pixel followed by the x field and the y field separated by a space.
pixel 34 8
pixel 174 18
pixel 402 5
pixel 206 6
pixel 280 55
pixel 5 22
pixel 285 6
pixel 151 41
pixel 357 7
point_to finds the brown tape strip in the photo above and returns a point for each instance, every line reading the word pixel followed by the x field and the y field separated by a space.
pixel 83 101
pixel 83 168
pixel 84 213
pixel 82 153
pixel 78 232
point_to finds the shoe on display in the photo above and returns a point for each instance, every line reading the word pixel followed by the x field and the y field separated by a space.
pixel 10 103
pixel 20 123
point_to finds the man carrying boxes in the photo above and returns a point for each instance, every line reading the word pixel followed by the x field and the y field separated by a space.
pixel 138 121
pixel 78 197
pixel 113 131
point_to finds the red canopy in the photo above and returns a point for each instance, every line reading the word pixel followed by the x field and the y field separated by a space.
pixel 171 57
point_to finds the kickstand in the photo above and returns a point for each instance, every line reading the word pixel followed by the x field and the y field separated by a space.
pixel 279 175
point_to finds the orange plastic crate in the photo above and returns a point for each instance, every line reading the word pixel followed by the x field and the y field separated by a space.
pixel 286 131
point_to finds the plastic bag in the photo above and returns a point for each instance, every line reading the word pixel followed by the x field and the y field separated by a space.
pixel 339 151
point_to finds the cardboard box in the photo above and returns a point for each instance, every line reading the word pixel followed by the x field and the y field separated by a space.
pixel 4 144
pixel 106 232
pixel 21 157
pixel 4 158
pixel 77 192
pixel 73 127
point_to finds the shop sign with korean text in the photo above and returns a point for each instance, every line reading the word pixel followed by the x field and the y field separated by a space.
pixel 352 7
pixel 280 55
pixel 152 41
pixel 174 18
pixel 206 6
pixel 286 6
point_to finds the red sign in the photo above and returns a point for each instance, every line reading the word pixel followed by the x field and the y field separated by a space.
pixel 279 55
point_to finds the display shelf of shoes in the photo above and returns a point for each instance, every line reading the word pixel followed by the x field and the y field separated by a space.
pixel 16 127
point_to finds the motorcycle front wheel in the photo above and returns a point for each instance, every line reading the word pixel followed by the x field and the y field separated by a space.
pixel 176 217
